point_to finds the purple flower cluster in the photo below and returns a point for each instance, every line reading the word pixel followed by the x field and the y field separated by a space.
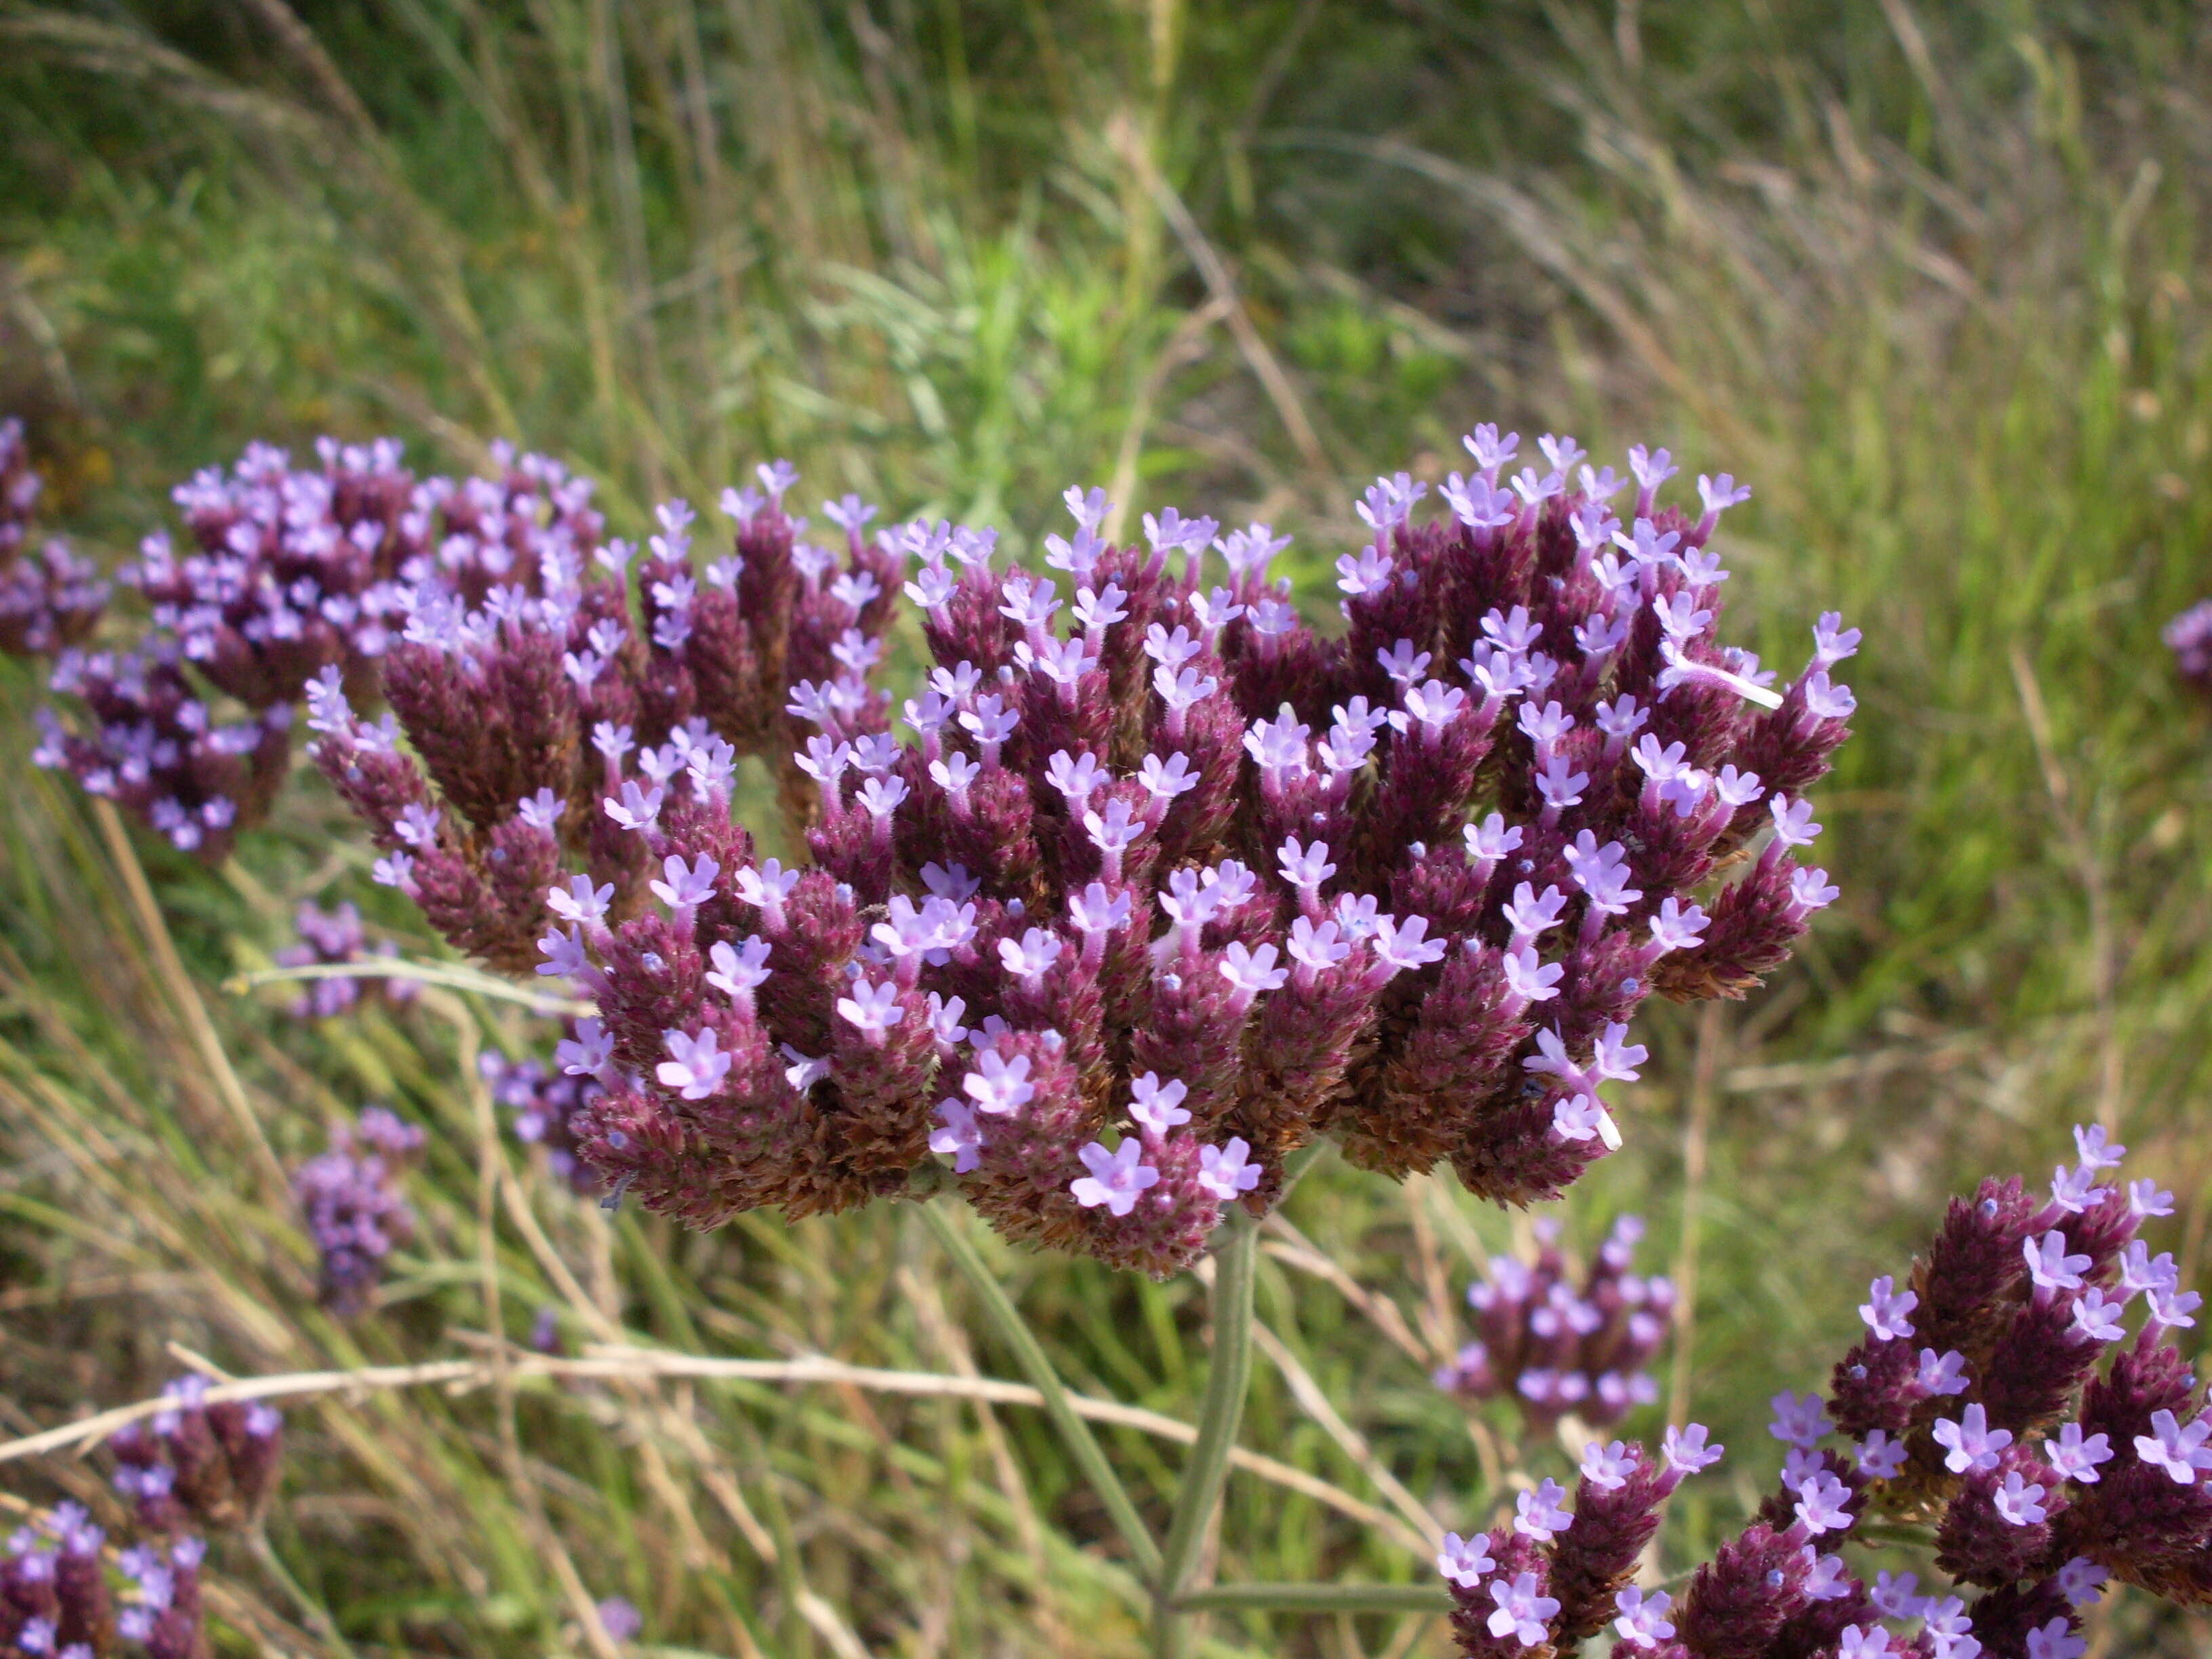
pixel 292 573
pixel 1554 1348
pixel 1112 928
pixel 545 1101
pixel 215 1465
pixel 57 1603
pixel 2189 636
pixel 50 597
pixel 529 711
pixel 331 937
pixel 349 1199
pixel 1997 1395
pixel 1555 1575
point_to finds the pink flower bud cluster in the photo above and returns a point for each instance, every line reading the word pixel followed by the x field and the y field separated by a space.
pixel 50 597
pixel 350 1200
pixel 1151 884
pixel 215 1465
pixel 1997 1397
pixel 57 1600
pixel 327 938
pixel 292 573
pixel 1554 1347
pixel 550 722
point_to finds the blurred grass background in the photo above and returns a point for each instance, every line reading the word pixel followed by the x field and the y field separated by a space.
pixel 1929 276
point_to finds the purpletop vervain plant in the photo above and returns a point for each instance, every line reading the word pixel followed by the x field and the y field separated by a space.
pixel 212 1465
pixel 293 572
pixel 1996 1400
pixel 50 597
pixel 1111 929
pixel 327 938
pixel 1553 1347
pixel 57 1600
pixel 351 1201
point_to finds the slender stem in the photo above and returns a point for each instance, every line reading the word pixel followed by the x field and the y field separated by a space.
pixel 309 1608
pixel 1323 1598
pixel 1030 1354
pixel 1227 1380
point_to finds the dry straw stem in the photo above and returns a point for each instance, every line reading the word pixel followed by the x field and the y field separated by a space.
pixel 607 1364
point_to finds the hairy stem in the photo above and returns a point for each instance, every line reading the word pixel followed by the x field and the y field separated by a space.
pixel 1226 1384
pixel 1082 1445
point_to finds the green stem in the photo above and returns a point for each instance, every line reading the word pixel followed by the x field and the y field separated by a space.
pixel 1030 1354
pixel 1322 1598
pixel 1227 1378
pixel 318 1616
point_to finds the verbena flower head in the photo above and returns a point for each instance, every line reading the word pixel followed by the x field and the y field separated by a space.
pixel 50 597
pixel 1554 1341
pixel 2046 1453
pixel 290 574
pixel 212 1464
pixel 350 1202
pixel 1404 885
pixel 60 1600
pixel 332 937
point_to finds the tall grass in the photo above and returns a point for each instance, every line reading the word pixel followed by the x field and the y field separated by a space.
pixel 1928 277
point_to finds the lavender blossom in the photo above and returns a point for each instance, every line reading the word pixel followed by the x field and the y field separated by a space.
pixel 350 1200
pixel 1554 1348
pixel 331 937
pixel 2063 1455
pixel 50 597
pixel 1327 885
pixel 214 1464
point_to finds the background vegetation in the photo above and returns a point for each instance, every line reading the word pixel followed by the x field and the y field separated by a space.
pixel 1931 276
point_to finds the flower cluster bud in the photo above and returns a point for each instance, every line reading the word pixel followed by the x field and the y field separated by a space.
pixel 1151 884
pixel 60 1600
pixel 1555 1347
pixel 350 1201
pixel 49 596
pixel 328 938
pixel 544 1100
pixel 196 1463
pixel 291 574
pixel 531 707
pixel 1998 1399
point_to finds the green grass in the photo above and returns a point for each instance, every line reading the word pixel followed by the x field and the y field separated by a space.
pixel 1930 279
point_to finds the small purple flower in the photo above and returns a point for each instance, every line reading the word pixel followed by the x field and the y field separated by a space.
pixel 1941 1373
pixel 1607 1466
pixel 1885 1309
pixel 1642 1622
pixel 1881 1458
pixel 1522 1612
pixel 2081 1582
pixel 1687 1449
pixel 1822 1505
pixel 1799 1420
pixel 693 1067
pixel 1969 1444
pixel 2055 1640
pixel 1540 1515
pixel 1116 1180
pixel 2074 1457
pixel 1227 1171
pixel 1868 1642
pixel 2048 1265
pixel 2018 1502
pixel 2179 1449
pixel 1466 1561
